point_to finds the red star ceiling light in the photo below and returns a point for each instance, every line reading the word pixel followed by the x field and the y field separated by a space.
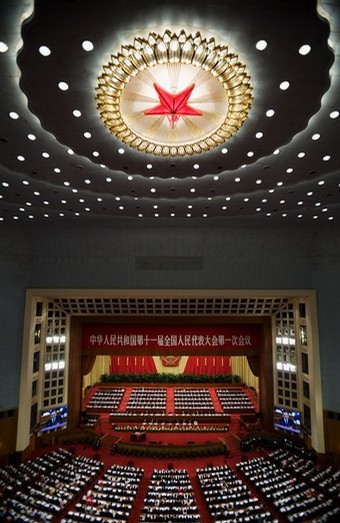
pixel 174 95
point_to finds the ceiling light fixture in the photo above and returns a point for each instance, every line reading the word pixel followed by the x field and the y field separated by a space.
pixel 174 94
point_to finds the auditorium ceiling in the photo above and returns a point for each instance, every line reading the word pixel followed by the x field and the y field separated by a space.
pixel 169 111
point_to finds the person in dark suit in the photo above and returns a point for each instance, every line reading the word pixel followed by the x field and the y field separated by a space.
pixel 286 420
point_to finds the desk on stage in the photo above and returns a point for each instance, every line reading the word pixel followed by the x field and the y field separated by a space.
pixel 138 436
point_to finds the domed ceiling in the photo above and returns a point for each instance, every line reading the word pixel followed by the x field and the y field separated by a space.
pixel 166 111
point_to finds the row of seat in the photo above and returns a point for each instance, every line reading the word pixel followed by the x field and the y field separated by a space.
pixel 234 400
pixel 45 487
pixel 229 499
pixel 106 399
pixel 111 499
pixel 169 498
pixel 293 498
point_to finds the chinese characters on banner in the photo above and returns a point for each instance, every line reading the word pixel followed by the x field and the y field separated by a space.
pixel 174 337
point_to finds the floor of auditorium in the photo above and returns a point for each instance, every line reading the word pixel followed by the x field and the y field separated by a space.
pixel 230 434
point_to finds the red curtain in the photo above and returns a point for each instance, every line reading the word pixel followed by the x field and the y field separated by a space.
pixel 135 364
pixel 208 365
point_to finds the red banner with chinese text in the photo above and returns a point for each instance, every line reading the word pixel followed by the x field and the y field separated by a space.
pixel 171 337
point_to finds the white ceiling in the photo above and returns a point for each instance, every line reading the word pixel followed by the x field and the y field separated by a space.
pixel 41 182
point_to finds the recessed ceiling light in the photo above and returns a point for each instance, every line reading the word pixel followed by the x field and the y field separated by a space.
pixel 315 217
pixel 243 166
pixel 95 153
pixel 196 166
pixel 300 202
pixel 46 202
pixel 130 177
pixel 194 177
pixel 76 214
pixel 5 184
pixel 57 170
pixel 87 134
pixel 224 150
pixel 155 206
pixel 44 50
pixel 70 151
pixel 31 137
pixel 304 49
pixel 279 184
pixel 270 113
pixel 316 136
pixel 264 200
pixel 310 193
pixel 228 198
pixel 25 182
pixel 140 215
pixel 75 191
pixel 237 179
pixel 36 193
pixel 156 215
pixel 258 209
pixel 258 182
pixel 3 47
pixel 331 217
pixel 149 165
pixel 21 158
pixel 261 45
pixel 87 45
pixel 192 189
pixel 13 115
pixel 282 202
pixel 246 199
pixel 326 158
pixel 87 181
pixel 334 114
pixel 63 202
pixel 63 86
pixel 299 215
pixel 108 179
pixel 276 152
pixel 153 189
pixel 289 170
pixel 76 113
pixel 172 215
pixel 121 150
pixel 271 191
pixel 151 178
pixel 45 155
pixel 188 215
pixel 259 135
pixel 324 209
pixel 224 208
pixel 284 85
pixel 268 214
pixel 321 182
pixel 250 154
pixel 301 154
pixel 216 178
pixel 284 215
pixel 67 184
pixel 117 198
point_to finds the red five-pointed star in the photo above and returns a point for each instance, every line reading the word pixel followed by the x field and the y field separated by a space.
pixel 173 105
